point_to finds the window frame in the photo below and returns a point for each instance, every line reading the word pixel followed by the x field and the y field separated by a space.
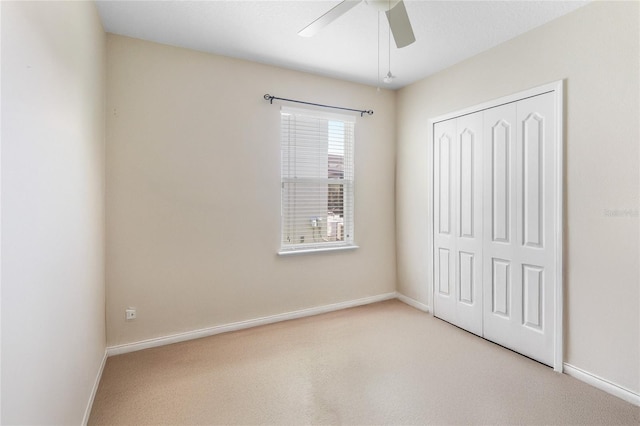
pixel 347 181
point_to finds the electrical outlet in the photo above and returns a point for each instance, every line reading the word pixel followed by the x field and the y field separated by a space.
pixel 130 314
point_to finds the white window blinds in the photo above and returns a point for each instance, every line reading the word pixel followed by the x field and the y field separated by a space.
pixel 317 179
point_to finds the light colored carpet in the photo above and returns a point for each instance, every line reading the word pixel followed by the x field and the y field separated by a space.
pixel 385 363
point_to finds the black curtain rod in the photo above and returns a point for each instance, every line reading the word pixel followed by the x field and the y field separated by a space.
pixel 362 112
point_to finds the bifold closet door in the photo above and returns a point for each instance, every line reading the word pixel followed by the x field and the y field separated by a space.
pixel 458 221
pixel 519 228
pixel 495 195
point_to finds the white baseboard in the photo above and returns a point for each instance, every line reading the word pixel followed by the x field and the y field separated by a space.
pixel 602 384
pixel 96 383
pixel 413 302
pixel 241 325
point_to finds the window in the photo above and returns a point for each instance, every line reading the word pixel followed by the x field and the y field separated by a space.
pixel 317 180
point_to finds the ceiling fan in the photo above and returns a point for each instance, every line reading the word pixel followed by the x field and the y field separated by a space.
pixel 394 9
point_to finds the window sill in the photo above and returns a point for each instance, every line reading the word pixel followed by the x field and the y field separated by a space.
pixel 292 252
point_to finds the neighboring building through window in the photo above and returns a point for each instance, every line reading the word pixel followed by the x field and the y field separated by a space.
pixel 317 180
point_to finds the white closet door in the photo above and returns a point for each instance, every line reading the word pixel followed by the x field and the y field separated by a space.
pixel 468 191
pixel 444 135
pixel 519 248
pixel 458 221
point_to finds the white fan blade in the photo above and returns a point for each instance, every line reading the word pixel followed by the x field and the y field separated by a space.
pixel 400 25
pixel 328 18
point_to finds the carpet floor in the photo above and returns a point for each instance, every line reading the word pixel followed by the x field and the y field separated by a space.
pixel 385 363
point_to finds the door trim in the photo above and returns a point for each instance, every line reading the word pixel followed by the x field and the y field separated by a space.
pixel 557 88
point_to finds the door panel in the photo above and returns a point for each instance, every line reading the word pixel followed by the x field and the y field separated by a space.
pixel 532 296
pixel 500 173
pixel 444 242
pixel 458 221
pixel 500 285
pixel 498 271
pixel 444 182
pixel 537 228
pixel 532 188
pixel 444 274
pixel 466 157
pixel 468 221
pixel 527 283
pixel 467 279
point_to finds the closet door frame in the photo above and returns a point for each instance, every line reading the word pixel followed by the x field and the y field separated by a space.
pixel 557 88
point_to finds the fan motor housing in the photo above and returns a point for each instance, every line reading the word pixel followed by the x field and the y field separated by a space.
pixel 382 5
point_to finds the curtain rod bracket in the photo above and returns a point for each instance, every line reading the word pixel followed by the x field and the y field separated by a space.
pixel 362 112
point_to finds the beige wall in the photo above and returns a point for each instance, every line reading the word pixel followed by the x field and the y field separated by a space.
pixel 193 193
pixel 595 50
pixel 53 328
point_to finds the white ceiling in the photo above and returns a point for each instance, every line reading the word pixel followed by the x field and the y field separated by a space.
pixel 265 31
